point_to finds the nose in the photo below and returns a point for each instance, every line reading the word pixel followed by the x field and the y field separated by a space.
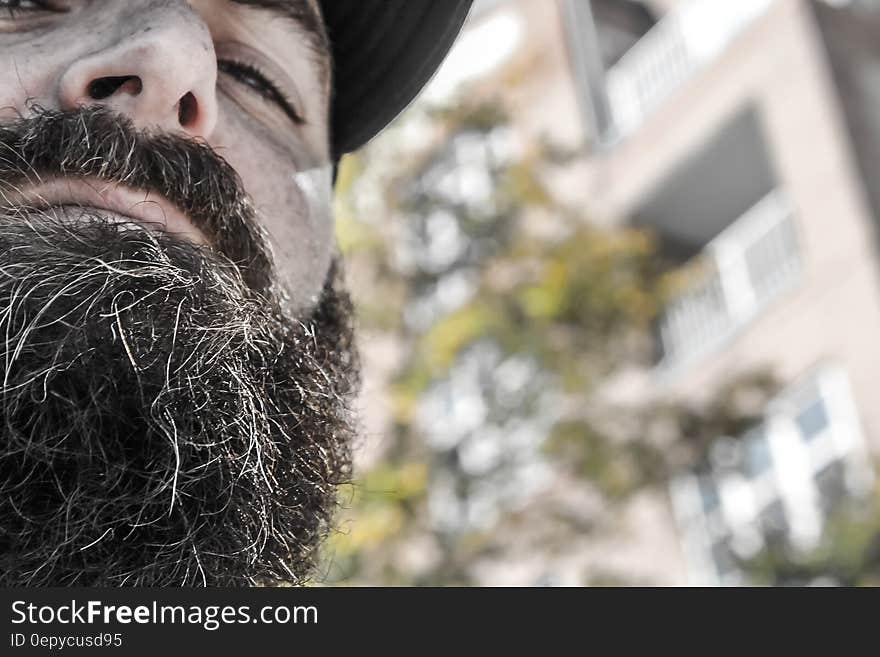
pixel 163 76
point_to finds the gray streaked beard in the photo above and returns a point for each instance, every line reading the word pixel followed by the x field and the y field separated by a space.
pixel 164 423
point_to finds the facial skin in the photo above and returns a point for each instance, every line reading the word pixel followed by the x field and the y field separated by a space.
pixel 176 347
pixel 51 52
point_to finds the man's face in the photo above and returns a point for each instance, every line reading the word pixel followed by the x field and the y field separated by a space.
pixel 250 78
pixel 176 352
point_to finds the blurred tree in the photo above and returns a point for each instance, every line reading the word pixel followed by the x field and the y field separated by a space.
pixel 847 555
pixel 510 312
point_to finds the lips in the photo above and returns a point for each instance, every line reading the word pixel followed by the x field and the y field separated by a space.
pixel 114 200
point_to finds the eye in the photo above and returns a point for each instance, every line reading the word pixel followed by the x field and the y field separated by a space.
pixel 250 76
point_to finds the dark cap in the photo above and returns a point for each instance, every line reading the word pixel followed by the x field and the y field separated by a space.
pixel 384 53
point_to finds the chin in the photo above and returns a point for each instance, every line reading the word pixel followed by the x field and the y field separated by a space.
pixel 163 422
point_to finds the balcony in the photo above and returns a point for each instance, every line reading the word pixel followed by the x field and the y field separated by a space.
pixel 747 265
pixel 671 53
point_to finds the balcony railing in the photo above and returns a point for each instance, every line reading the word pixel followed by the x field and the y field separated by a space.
pixel 754 259
pixel 674 50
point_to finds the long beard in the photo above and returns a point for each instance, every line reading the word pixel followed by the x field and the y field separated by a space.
pixel 161 422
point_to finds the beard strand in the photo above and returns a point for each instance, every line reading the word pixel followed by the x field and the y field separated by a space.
pixel 163 422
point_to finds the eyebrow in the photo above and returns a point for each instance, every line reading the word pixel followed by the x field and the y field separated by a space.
pixel 307 18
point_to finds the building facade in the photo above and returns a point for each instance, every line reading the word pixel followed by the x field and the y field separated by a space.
pixel 743 134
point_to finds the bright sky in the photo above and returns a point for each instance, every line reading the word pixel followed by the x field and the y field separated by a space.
pixel 481 49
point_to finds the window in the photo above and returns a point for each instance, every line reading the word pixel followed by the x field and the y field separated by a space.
pixel 792 470
pixel 724 559
pixel 772 521
pixel 708 493
pixel 831 483
pixel 813 420
pixel 758 458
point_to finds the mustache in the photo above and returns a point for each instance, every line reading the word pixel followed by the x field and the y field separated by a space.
pixel 100 144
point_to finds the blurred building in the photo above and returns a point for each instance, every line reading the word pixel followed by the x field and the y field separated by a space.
pixel 745 134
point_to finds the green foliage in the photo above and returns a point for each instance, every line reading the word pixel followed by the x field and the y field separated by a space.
pixel 464 117
pixel 731 411
pixel 847 555
pixel 573 303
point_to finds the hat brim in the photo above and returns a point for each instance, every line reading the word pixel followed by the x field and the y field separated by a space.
pixel 384 52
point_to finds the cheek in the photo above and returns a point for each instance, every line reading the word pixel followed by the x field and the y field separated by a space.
pixel 293 203
pixel 33 62
pixel 24 77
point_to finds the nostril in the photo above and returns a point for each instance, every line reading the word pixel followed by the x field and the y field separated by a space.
pixel 187 110
pixel 102 88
